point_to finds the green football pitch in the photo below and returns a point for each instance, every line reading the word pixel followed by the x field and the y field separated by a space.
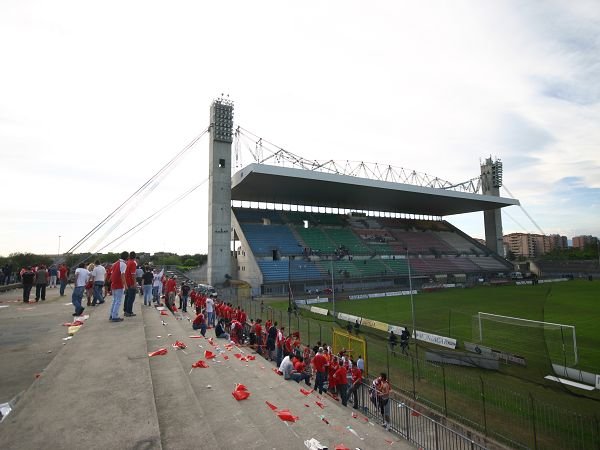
pixel 513 400
pixel 453 313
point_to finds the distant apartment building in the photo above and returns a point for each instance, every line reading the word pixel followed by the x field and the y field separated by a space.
pixel 582 241
pixel 527 244
pixel 558 241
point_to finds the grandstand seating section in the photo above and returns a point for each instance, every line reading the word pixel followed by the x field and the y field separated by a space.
pixel 443 250
pixel 264 239
pixel 459 243
pixel 279 271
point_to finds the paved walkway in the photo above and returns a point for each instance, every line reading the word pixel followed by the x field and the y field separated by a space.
pixel 101 390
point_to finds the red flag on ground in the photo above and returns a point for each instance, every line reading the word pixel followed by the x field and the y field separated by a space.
pixel 199 365
pixel 305 392
pixel 320 405
pixel 341 447
pixel 287 416
pixel 240 395
pixel 160 351
pixel 179 344
pixel 271 405
pixel 164 313
pixel 225 357
pixel 237 355
pixel 240 387
pixel 208 354
pixel 251 357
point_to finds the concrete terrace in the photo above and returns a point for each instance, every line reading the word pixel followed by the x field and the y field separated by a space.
pixel 101 389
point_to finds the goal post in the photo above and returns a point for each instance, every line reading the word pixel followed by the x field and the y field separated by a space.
pixel 495 329
pixel 353 345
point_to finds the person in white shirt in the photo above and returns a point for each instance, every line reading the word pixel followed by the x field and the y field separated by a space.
pixel 81 278
pixel 210 311
pixel 157 285
pixel 286 368
pixel 98 275
pixel 360 363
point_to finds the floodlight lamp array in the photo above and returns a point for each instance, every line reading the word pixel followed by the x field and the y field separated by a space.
pixel 222 120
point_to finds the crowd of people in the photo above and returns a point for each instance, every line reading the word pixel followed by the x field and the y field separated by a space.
pixel 338 374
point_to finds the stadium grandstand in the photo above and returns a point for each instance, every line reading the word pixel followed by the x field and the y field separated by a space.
pixel 306 226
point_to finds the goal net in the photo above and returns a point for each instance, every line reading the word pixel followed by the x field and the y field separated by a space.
pixel 531 338
pixel 352 345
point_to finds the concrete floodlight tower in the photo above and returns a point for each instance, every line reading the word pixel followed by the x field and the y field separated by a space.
pixel 491 181
pixel 219 191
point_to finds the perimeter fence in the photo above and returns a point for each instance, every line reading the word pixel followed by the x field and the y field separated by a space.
pixel 514 419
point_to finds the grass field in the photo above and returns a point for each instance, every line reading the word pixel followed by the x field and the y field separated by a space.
pixel 451 313
pixel 512 399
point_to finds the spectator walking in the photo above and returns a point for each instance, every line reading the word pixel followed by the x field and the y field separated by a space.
pixel 41 281
pixel 157 285
pixel 81 279
pixel 63 277
pixel 404 339
pixel 98 277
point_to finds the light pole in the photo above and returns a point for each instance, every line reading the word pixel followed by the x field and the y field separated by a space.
pixel 412 300
pixel 58 252
pixel 289 293
pixel 332 288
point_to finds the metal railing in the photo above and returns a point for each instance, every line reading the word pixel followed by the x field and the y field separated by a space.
pixel 412 425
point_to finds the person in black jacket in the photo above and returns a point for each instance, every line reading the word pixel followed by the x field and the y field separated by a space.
pixel 27 279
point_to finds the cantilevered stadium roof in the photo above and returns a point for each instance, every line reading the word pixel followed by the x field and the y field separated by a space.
pixel 273 184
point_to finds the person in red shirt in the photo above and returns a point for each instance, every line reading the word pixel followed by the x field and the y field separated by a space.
pixel 170 291
pixel 63 273
pixel 298 374
pixel 341 382
pixel 107 278
pixel 200 323
pixel 243 317
pixel 333 366
pixel 356 384
pixel 319 363
pixel 131 288
pixel 259 337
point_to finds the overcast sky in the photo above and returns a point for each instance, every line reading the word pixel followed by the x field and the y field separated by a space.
pixel 97 96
